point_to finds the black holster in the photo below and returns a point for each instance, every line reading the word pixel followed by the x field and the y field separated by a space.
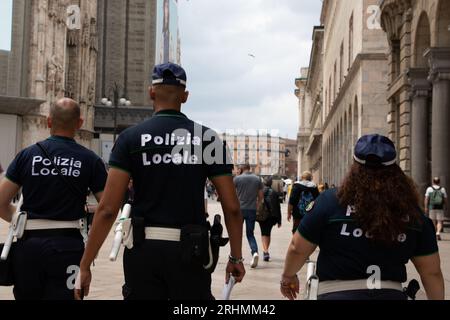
pixel 138 224
pixel 217 241
pixel 194 242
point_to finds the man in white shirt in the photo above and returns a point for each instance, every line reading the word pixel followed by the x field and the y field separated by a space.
pixel 435 205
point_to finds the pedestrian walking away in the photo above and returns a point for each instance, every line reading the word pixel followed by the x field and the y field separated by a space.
pixel 436 205
pixel 303 193
pixel 56 175
pixel 250 192
pixel 272 217
pixel 169 157
pixel 366 233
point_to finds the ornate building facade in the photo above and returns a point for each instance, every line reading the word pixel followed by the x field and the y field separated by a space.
pixel 310 94
pixel 127 49
pixel 265 153
pixel 348 99
pixel 62 61
pixel 418 32
pixel 53 55
pixel 127 54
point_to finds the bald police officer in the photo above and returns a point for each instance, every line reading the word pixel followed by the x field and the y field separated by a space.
pixel 55 176
pixel 169 158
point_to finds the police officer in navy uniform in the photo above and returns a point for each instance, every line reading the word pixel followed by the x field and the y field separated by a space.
pixel 367 231
pixel 46 259
pixel 169 157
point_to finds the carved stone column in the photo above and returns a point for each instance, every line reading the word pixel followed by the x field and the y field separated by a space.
pixel 421 91
pixel 439 59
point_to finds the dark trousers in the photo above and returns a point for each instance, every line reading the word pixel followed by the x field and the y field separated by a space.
pixel 46 268
pixel 154 271
pixel 267 226
pixel 382 295
pixel 295 224
pixel 250 220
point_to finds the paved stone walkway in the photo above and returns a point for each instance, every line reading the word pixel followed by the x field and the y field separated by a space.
pixel 261 283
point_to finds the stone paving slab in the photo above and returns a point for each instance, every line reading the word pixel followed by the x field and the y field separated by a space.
pixel 261 283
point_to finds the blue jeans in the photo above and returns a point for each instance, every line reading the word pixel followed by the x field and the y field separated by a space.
pixel 250 220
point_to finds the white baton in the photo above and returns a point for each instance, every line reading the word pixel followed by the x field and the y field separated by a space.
pixel 228 288
pixel 118 234
pixel 7 245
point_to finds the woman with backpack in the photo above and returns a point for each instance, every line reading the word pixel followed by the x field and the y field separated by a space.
pixel 269 215
pixel 303 193
pixel 367 231
pixel 435 205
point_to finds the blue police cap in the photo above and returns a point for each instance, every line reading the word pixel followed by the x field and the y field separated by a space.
pixel 170 74
pixel 375 151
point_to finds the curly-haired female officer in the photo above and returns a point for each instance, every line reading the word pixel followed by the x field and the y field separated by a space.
pixel 367 231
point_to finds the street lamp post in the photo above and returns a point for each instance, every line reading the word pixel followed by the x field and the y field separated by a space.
pixel 116 102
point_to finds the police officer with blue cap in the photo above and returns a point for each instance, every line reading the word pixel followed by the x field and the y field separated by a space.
pixel 55 176
pixel 169 158
pixel 367 231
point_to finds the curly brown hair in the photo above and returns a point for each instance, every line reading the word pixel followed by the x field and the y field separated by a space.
pixel 385 200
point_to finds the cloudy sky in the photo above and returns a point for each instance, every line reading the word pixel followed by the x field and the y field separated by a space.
pixel 5 24
pixel 231 90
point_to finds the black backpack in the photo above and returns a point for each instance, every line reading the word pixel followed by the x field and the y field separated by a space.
pixel 263 212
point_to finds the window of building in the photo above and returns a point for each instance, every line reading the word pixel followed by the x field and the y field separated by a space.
pixel 341 65
pixel 335 81
pixel 397 126
pixel 350 43
pixel 396 57
pixel 330 104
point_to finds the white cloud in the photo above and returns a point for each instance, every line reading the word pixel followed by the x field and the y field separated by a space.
pixel 230 89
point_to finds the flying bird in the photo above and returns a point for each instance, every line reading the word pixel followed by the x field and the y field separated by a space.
pixel 251 55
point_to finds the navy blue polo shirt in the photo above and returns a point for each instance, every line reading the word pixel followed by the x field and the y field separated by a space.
pixel 46 195
pixel 169 158
pixel 347 254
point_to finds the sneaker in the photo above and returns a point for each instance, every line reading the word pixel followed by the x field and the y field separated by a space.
pixel 254 261
pixel 266 257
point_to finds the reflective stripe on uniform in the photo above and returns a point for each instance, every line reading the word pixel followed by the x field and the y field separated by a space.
pixel 41 224
pixel 163 234
pixel 339 286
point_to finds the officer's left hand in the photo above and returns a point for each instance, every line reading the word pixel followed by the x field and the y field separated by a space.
pixel 83 283
pixel 290 287
pixel 279 225
pixel 235 270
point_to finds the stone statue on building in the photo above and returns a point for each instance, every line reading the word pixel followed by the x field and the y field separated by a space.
pixel 51 76
pixel 62 12
pixel 72 38
pixel 93 35
pixel 55 76
pixel 52 8
pixel 91 94
pixel 86 32
pixel 69 92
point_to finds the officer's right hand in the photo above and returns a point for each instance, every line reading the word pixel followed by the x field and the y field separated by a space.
pixel 82 284
pixel 235 270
